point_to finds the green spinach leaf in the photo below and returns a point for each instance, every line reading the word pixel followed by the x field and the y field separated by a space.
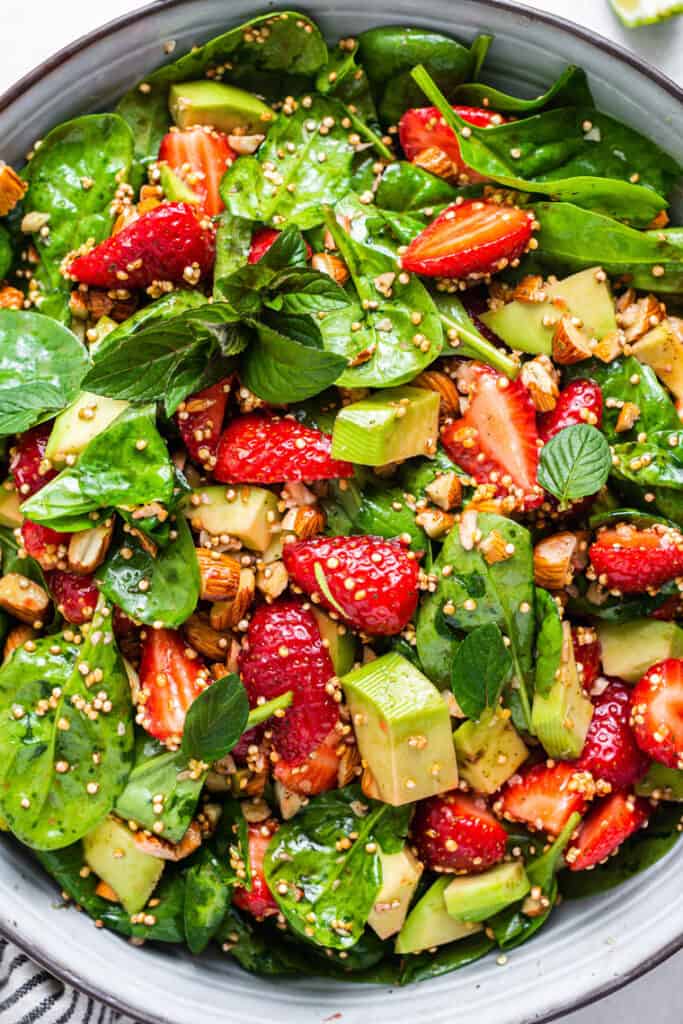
pixel 208 887
pixel 481 667
pixel 167 774
pixel 6 251
pixel 233 242
pixel 569 90
pixel 574 463
pixel 467 340
pixel 344 79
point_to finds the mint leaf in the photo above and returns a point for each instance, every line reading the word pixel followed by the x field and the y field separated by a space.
pixel 575 463
pixel 481 667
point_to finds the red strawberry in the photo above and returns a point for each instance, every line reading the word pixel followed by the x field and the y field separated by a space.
pixel 370 582
pixel 609 823
pixel 634 561
pixel 671 609
pixel 457 833
pixel 610 752
pixel 587 652
pixel 199 156
pixel 75 596
pixel 579 402
pixel 171 677
pixel 47 546
pixel 258 449
pixel 318 773
pixel 28 464
pixel 544 797
pixel 496 441
pixel 200 421
pixel 657 712
pixel 284 651
pixel 423 128
pixel 258 900
pixel 261 241
pixel 168 243
pixel 470 240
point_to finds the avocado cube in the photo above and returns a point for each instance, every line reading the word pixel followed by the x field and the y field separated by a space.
pixel 400 874
pixel 389 426
pixel 560 718
pixel 429 924
pixel 489 751
pixel 112 853
pixel 248 513
pixel 339 641
pixel 76 426
pixel 175 189
pixel 10 506
pixel 662 782
pixel 478 897
pixel 630 648
pixel 223 107
pixel 662 350
pixel 403 729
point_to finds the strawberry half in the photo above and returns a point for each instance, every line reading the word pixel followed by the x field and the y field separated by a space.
pixel 200 421
pixel 657 712
pixel 261 241
pixel 169 243
pixel 588 655
pixel 28 464
pixel 75 596
pixel 610 752
pixel 496 440
pixel 544 797
pixel 171 677
pixel 369 582
pixel 199 156
pixel 609 823
pixel 633 561
pixel 457 833
pixel 318 773
pixel 423 128
pixel 470 240
pixel 258 449
pixel 48 547
pixel 258 900
pixel 579 402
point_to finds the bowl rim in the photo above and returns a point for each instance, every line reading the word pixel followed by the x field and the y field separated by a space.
pixel 558 23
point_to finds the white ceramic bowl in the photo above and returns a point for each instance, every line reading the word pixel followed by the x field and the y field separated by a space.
pixel 589 948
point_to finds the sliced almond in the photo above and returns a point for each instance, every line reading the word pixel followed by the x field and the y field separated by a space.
pixel 495 548
pixel 437 162
pixel 11 298
pixel 445 491
pixel 12 189
pixel 228 614
pixel 335 268
pixel 272 580
pixel 436 380
pixel 219 575
pixel 542 381
pixel 87 549
pixel 610 347
pixel 553 560
pixel 570 343
pixel 210 642
pixel 530 289
pixel 306 521
pixel 435 522
pixel 23 598
pixel 629 414
pixel 245 145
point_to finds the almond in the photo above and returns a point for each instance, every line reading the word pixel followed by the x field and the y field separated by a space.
pixel 23 598
pixel 272 580
pixel 335 268
pixel 255 810
pixel 542 382
pixel 228 614
pixel 105 892
pixel 530 289
pixel 609 347
pixel 11 298
pixel 12 189
pixel 289 802
pixel 628 415
pixel 494 548
pixel 87 549
pixel 349 765
pixel 570 343
pixel 157 847
pixel 436 380
pixel 641 316
pixel 219 574
pixel 204 638
pixel 437 162
pixel 445 490
pixel 435 522
pixel 369 785
pixel 553 560
pixel 305 521
pixel 16 637
pixel 245 145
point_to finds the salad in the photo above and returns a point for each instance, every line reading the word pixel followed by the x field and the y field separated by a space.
pixel 342 524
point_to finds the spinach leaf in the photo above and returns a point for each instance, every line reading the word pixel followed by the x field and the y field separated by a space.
pixel 405 187
pixel 335 885
pixel 445 959
pixel 657 462
pixel 481 667
pixel 41 368
pixel 208 888
pixel 215 720
pixel 344 79
pixel 168 774
pixel 549 642
pixel 233 242
pixel 6 251
pixel 467 340
pixel 617 609
pixel 574 463
pixel 384 512
pixel 11 562
pixel 52 790
pixel 280 369
pixel 569 90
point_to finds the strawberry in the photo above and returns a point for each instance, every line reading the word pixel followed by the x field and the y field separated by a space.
pixel 671 609
pixel 470 240
pixel 587 652
pixel 28 464
pixel 257 900
pixel 75 596
pixel 370 582
pixel 284 651
pixel 609 823
pixel 579 402
pixel 318 773
pixel 200 421
pixel 544 796
pixel 168 243
pixel 171 677
pixel 258 449
pixel 199 156
pixel 261 241
pixel 47 546
pixel 457 833
pixel 610 752
pixel 657 712
pixel 423 128
pixel 633 561
pixel 496 441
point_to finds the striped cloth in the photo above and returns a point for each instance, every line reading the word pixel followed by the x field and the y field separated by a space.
pixel 29 995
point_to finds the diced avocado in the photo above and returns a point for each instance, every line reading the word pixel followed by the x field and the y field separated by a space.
pixel 489 751
pixel 248 513
pixel 74 429
pixel 389 426
pixel 521 324
pixel 478 897
pixel 629 648
pixel 429 924
pixel 339 640
pixel 223 107
pixel 114 856
pixel 403 729
pixel 10 511
pixel 560 718
pixel 662 349
pixel 175 188
pixel 666 783
pixel 400 874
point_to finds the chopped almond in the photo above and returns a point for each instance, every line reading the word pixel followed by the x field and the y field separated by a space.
pixel 436 162
pixel 435 522
pixel 542 382
pixel 245 145
pixel 23 598
pixel 641 316
pixel 16 638
pixel 210 642
pixel 495 548
pixel 228 614
pixel 165 850
pixel 445 490
pixel 436 380
pixel 305 521
pixel 335 268
pixel 11 298
pixel 272 580
pixel 87 549
pixel 553 560
pixel 12 189
pixel 531 289
pixel 105 892
pixel 219 573
pixel 628 415
pixel 610 347
pixel 570 343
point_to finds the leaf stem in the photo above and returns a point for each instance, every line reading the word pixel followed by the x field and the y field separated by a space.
pixel 363 129
pixel 480 348
pixel 262 712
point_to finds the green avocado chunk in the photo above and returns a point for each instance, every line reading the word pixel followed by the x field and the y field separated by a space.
pixel 489 751
pixel 561 717
pixel 75 427
pixel 429 924
pixel 478 897
pixel 400 874
pixel 389 426
pixel 630 648
pixel 662 782
pixel 248 513
pixel 339 641
pixel 112 853
pixel 223 107
pixel 10 506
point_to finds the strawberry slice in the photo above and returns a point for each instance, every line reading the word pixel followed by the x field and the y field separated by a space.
pixel 28 465
pixel 609 823
pixel 169 243
pixel 370 582
pixel 318 773
pixel 75 596
pixel 258 449
pixel 496 441
pixel 199 156
pixel 171 677
pixel 610 752
pixel 470 240
pixel 48 547
pixel 200 421
pixel 588 655
pixel 657 712
pixel 544 797
pixel 579 402
pixel 423 128
pixel 258 900
pixel 261 241
pixel 456 833
pixel 633 561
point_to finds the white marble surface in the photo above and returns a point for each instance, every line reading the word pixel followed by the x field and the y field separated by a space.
pixel 33 31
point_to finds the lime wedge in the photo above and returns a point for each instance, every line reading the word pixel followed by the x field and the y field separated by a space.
pixel 646 12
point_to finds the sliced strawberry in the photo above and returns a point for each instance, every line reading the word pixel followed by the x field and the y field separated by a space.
pixel 169 243
pixel 75 596
pixel 199 156
pixel 609 823
pixel 258 900
pixel 579 402
pixel 588 653
pixel 47 546
pixel 200 421
pixel 496 441
pixel 171 677
pixel 258 449
pixel 610 752
pixel 261 241
pixel 633 561
pixel 423 128
pixel 318 773
pixel 457 833
pixel 657 712
pixel 28 465
pixel 284 651
pixel 470 240
pixel 370 582
pixel 671 609
pixel 544 797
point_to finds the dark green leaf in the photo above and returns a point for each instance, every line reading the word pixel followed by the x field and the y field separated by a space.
pixel 405 187
pixel 570 90
pixel 467 341
pixel 288 250
pixel 481 667
pixel 6 252
pixel 657 462
pixel 346 81
pixel 280 369
pixel 168 774
pixel 575 462
pixel 233 242
pixel 444 959
pixel 207 895
pixel 216 719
